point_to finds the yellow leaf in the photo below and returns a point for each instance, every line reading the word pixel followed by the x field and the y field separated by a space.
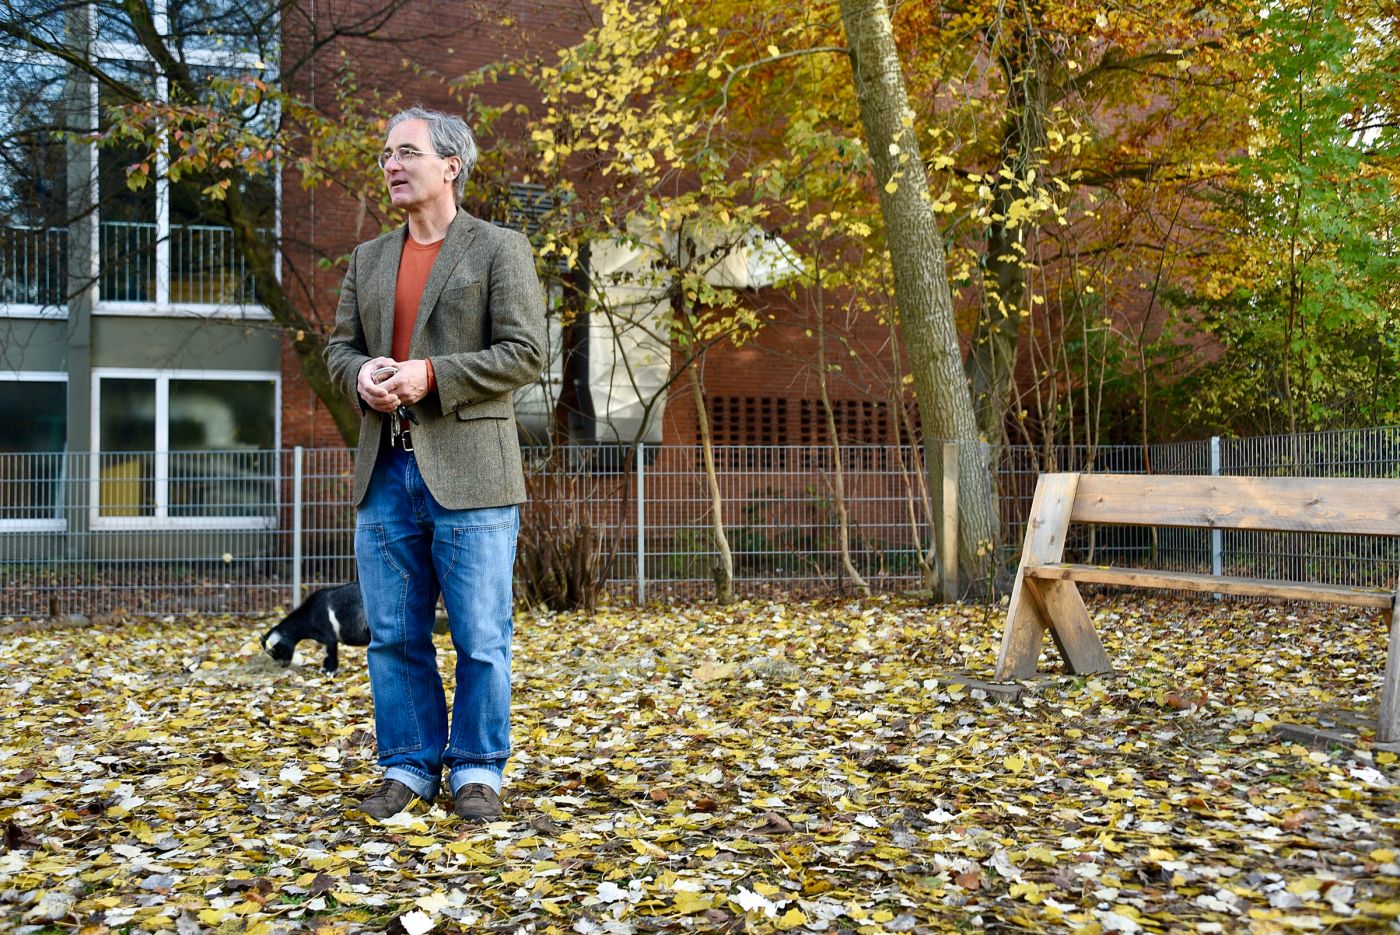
pixel 1014 763
pixel 792 919
pixel 891 186
pixel 1389 909
pixel 688 903
pixel 710 671
pixel 773 50
pixel 1030 891
pixel 1383 855
pixel 1385 758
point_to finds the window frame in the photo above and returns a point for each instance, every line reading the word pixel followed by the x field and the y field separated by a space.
pixel 161 454
pixel 54 524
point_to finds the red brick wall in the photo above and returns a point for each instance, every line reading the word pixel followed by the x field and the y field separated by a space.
pixel 777 370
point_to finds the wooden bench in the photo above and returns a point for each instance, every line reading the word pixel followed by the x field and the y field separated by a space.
pixel 1046 595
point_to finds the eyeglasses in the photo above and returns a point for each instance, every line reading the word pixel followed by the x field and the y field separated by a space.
pixel 404 154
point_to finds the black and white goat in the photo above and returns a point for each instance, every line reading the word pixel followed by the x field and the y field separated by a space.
pixel 330 616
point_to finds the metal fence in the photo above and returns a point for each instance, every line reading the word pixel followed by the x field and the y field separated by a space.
pixel 247 531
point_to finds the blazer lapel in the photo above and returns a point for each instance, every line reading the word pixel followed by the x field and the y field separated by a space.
pixel 385 283
pixel 454 250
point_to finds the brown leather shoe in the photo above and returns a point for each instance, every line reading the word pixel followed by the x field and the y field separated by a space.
pixel 390 798
pixel 476 802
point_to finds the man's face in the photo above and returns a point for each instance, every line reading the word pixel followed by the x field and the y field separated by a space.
pixel 424 179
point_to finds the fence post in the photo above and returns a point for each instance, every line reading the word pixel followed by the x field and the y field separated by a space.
pixel 296 525
pixel 950 521
pixel 641 524
pixel 1217 537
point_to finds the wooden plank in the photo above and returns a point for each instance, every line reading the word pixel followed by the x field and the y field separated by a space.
pixel 1071 626
pixel 1190 581
pixel 1367 506
pixel 951 591
pixel 1388 723
pixel 1045 543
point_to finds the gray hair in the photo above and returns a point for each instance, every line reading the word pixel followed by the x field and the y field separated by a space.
pixel 449 135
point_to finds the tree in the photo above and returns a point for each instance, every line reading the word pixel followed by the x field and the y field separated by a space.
pixel 632 139
pixel 1305 305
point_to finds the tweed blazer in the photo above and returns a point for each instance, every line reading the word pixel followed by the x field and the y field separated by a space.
pixel 481 323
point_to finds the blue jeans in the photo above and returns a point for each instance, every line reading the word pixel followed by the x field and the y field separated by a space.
pixel 409 549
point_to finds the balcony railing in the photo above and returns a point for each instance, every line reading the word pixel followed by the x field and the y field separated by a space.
pixel 205 265
pixel 33 266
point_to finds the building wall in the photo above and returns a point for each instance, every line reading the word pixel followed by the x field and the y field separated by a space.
pixel 765 390
pixel 33 345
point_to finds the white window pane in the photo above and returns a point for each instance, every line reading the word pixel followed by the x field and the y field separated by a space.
pixel 221 433
pixel 127 440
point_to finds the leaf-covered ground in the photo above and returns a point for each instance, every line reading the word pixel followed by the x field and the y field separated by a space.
pixel 770 766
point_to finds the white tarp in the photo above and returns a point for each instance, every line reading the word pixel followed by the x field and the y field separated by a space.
pixel 629 339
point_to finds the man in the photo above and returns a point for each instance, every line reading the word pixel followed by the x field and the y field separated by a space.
pixel 453 307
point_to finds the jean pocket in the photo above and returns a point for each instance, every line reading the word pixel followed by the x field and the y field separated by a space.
pixel 371 539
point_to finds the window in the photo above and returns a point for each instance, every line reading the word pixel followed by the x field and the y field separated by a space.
pixel 165 247
pixel 185 448
pixel 33 190
pixel 858 422
pixel 31 450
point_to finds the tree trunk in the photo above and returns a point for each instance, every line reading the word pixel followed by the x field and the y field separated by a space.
pixel 843 522
pixel 724 567
pixel 928 559
pixel 921 288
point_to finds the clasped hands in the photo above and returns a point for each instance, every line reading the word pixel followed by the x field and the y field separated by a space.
pixel 404 388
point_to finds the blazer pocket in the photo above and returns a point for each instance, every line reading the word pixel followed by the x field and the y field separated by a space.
pixel 462 294
pixel 486 409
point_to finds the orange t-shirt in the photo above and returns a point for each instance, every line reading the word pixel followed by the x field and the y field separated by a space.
pixel 414 266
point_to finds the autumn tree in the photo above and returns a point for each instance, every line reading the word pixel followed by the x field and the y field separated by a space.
pixel 633 140
pixel 1304 303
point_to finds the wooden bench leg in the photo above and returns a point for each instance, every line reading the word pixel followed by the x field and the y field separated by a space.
pixel 1046 528
pixel 1020 642
pixel 1071 627
pixel 1388 724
